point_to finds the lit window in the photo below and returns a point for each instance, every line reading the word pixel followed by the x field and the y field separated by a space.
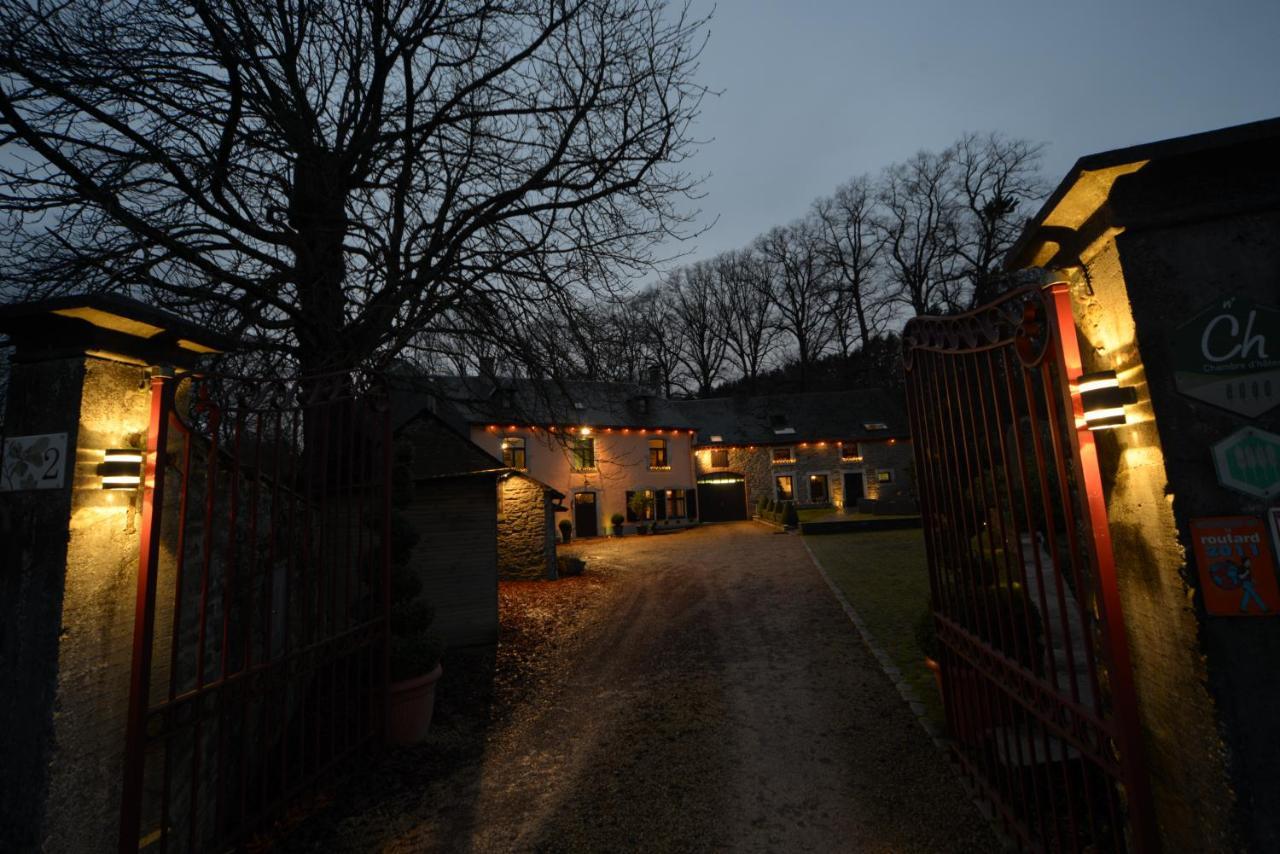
pixel 782 455
pixel 783 484
pixel 720 458
pixel 717 438
pixel 676 504
pixel 513 452
pixel 875 425
pixel 582 453
pixel 640 505
pixel 658 454
pixel 850 451
pixel 884 476
pixel 818 488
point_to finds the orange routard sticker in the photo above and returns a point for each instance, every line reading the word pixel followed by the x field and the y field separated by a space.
pixel 1237 574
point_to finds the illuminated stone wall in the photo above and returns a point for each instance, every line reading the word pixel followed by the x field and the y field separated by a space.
pixel 68 595
pixel 526 530
pixel 1175 235
pixel 757 466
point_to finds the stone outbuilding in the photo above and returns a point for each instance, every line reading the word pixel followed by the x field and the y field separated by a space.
pixel 455 512
pixel 842 449
pixel 527 510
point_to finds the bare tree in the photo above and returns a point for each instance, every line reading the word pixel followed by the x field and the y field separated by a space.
pixel 997 179
pixel 798 285
pixel 917 220
pixel 850 246
pixel 748 318
pixel 336 178
pixel 658 318
pixel 703 347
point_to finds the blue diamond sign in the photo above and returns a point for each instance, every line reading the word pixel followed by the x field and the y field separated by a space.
pixel 1248 461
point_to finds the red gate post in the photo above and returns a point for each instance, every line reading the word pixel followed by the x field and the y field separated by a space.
pixel 144 609
pixel 69 550
pixel 1123 694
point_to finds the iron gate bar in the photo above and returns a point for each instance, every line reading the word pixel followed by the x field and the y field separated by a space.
pixel 289 551
pixel 144 608
pixel 1056 750
pixel 1112 614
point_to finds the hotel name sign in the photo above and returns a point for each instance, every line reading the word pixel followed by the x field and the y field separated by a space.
pixel 1229 355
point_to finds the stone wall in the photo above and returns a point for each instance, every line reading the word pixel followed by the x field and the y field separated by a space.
pixel 1195 229
pixel 66 618
pixel 757 466
pixel 1174 236
pixel 526 530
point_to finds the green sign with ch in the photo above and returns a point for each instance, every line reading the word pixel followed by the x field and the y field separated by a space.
pixel 1229 355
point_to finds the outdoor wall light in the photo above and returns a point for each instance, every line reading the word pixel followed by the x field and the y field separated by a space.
pixel 585 431
pixel 121 468
pixel 1104 400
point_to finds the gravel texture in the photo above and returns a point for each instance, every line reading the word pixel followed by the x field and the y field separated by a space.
pixel 689 692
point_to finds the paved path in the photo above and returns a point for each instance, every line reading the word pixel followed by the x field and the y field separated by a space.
pixel 718 700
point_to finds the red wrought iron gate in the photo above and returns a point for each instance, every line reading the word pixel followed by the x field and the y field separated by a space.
pixel 259 658
pixel 1037 681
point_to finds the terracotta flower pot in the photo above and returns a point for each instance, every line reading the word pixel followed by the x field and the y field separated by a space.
pixel 411 703
pixel 936 668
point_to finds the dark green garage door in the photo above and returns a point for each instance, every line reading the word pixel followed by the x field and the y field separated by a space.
pixel 723 498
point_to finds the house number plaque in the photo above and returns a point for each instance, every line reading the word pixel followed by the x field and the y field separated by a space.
pixel 34 462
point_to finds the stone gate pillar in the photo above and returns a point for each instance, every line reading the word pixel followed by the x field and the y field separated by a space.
pixel 79 385
pixel 1158 242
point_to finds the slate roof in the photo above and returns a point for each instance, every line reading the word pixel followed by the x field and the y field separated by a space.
pixel 525 401
pixel 441 451
pixel 809 417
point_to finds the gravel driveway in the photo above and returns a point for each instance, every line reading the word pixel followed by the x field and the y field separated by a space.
pixel 711 696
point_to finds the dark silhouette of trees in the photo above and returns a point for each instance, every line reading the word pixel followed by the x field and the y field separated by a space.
pixel 997 179
pixel 747 313
pixel 700 325
pixel 798 283
pixel 858 298
pixel 337 179
pixel 822 294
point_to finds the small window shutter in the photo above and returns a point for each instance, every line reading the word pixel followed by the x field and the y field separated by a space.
pixel 659 504
pixel 691 503
pixel 631 514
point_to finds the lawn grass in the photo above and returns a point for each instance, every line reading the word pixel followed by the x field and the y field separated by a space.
pixel 885 577
pixel 812 513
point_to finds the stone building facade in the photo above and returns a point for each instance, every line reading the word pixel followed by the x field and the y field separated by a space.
pixel 841 449
pixel 526 528
pixel 820 473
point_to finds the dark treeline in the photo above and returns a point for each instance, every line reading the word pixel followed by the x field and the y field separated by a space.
pixel 815 304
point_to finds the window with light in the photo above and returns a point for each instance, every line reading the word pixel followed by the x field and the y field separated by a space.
pixel 513 453
pixel 582 454
pixel 658 454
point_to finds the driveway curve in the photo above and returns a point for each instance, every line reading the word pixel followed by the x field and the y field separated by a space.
pixel 717 698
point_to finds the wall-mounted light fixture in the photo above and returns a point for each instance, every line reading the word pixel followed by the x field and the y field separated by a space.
pixel 121 468
pixel 585 431
pixel 1104 400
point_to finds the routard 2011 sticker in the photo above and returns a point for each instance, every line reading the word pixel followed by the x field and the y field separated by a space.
pixel 1237 574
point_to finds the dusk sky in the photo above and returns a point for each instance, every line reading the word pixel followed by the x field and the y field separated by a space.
pixel 816 91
